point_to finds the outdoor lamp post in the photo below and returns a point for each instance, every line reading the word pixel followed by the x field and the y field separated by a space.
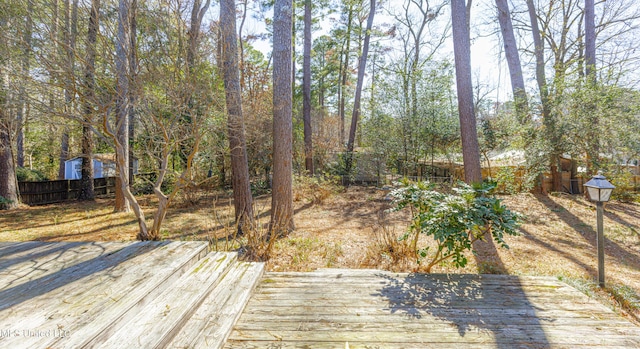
pixel 599 190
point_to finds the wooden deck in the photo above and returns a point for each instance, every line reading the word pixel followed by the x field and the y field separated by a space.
pixel 374 309
pixel 120 295
pixel 180 295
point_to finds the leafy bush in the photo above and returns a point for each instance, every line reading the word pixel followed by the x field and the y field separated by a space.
pixel 506 180
pixel 625 190
pixel 4 203
pixel 27 175
pixel 315 189
pixel 339 167
pixel 454 221
pixel 143 185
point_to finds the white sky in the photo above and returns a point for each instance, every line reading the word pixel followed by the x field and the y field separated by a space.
pixel 488 70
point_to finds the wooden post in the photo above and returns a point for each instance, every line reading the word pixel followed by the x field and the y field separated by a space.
pixel 600 244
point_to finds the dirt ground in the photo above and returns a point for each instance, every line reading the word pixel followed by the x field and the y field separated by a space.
pixel 352 228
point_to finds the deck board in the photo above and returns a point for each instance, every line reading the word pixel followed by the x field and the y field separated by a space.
pixel 375 309
pixel 41 260
pixel 87 297
pixel 159 321
pixel 180 295
pixel 119 295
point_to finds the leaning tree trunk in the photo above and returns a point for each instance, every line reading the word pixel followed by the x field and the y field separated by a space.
pixel 242 199
pixel 356 103
pixel 513 60
pixel 282 191
pixel 547 118
pixel 462 55
pixel 344 70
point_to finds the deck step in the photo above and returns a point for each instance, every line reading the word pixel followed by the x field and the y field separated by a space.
pixel 158 322
pixel 212 322
pixel 87 299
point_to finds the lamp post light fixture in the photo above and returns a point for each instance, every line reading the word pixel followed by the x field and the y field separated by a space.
pixel 599 190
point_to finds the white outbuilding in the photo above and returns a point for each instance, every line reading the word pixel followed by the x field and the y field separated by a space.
pixel 104 165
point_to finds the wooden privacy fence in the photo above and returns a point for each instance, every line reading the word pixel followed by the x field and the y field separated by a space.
pixel 47 192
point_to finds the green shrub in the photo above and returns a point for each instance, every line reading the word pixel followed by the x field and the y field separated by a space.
pixel 4 203
pixel 27 175
pixel 144 184
pixel 315 189
pixel 506 180
pixel 625 190
pixel 339 167
pixel 454 221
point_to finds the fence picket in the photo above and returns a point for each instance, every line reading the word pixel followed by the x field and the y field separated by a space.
pixel 48 192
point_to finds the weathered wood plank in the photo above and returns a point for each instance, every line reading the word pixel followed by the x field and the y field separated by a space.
pixel 94 295
pixel 537 337
pixel 416 279
pixel 11 250
pixel 158 322
pixel 50 258
pixel 212 322
pixel 52 282
pixel 448 326
pixel 410 312
pixel 434 296
pixel 248 321
pixel 375 309
pixel 32 250
pixel 275 344
pixel 483 305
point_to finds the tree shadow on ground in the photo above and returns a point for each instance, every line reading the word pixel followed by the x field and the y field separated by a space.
pixel 587 231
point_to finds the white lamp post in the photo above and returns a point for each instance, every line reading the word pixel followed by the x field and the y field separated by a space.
pixel 599 190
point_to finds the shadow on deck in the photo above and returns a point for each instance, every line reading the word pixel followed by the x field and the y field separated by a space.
pixel 180 295
pixel 120 295
pixel 376 309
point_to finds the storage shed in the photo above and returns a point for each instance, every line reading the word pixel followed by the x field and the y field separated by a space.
pixel 104 165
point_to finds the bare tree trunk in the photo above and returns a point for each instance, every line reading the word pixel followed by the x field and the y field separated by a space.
pixel 241 42
pixel 593 148
pixel 197 14
pixel 123 43
pixel 282 192
pixel 345 71
pixel 86 182
pixel 64 152
pixel 8 184
pixel 513 60
pixel 590 39
pixel 462 53
pixel 125 201
pixel 541 79
pixel 356 103
pixel 23 104
pixel 69 42
pixel 133 86
pixel 239 164
pixel 306 89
